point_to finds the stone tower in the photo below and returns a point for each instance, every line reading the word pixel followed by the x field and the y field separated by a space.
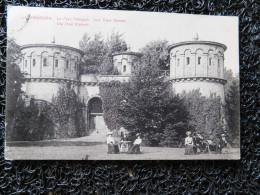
pixel 126 62
pixel 47 66
pixel 198 65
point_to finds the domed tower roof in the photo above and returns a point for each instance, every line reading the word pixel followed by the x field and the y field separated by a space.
pixel 127 53
pixel 196 41
pixel 53 45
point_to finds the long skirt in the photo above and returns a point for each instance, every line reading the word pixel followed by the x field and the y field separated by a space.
pixel 113 149
pixel 134 149
pixel 190 149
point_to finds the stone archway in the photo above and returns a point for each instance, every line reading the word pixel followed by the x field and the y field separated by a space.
pixel 95 119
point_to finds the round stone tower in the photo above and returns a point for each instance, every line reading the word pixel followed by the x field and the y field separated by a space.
pixel 126 62
pixel 47 66
pixel 198 65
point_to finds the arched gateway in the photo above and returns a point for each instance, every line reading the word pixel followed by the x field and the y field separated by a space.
pixel 95 116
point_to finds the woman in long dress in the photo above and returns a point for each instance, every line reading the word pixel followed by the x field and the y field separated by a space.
pixel 135 148
pixel 189 144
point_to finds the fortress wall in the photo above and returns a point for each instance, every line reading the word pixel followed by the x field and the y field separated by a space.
pixel 129 61
pixel 86 92
pixel 46 89
pixel 206 88
pixel 204 60
pixel 55 65
pixel 41 90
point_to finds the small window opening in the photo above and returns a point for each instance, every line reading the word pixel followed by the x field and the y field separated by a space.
pixel 67 64
pixel 199 60
pixel 44 61
pixel 56 63
pixel 34 62
pixel 188 60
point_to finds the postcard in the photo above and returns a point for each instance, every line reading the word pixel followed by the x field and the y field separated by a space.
pixel 88 84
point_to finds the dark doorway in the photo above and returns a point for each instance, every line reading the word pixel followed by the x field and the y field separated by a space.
pixel 95 114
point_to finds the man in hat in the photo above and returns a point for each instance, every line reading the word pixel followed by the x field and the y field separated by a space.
pixel 112 147
pixel 200 143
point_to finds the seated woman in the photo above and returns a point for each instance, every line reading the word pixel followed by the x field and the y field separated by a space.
pixel 189 144
pixel 200 143
pixel 112 147
pixel 135 148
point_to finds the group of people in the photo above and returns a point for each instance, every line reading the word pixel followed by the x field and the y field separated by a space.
pixel 124 146
pixel 211 145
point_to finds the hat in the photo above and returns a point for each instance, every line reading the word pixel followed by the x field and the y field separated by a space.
pixel 109 133
pixel 188 133
pixel 223 135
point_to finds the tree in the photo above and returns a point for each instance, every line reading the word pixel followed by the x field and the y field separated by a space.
pixel 14 82
pixel 149 107
pixel 232 105
pixel 204 119
pixel 114 44
pixel 112 95
pixel 155 53
pixel 71 112
pixel 95 50
pixel 98 52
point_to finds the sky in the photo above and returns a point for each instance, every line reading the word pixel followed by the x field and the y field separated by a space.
pixel 39 25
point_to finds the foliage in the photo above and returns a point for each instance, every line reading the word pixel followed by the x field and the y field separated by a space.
pixel 14 81
pixel 95 50
pixel 112 95
pixel 98 52
pixel 70 109
pixel 205 113
pixel 149 107
pixel 155 53
pixel 30 123
pixel 232 107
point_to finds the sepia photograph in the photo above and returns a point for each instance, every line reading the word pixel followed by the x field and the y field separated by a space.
pixel 85 84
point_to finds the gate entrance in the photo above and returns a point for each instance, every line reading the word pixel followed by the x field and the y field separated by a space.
pixel 95 115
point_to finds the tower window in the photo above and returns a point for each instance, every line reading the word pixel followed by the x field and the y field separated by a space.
pixel 218 62
pixel 44 61
pixel 75 67
pixel 25 63
pixel 56 63
pixel 67 64
pixel 124 68
pixel 210 61
pixel 188 60
pixel 199 60
pixel 178 62
pixel 34 62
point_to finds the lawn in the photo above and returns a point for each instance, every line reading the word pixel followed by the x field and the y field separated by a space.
pixel 99 152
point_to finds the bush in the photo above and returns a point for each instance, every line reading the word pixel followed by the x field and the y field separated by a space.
pixel 205 113
pixel 112 95
pixel 31 123
pixel 70 110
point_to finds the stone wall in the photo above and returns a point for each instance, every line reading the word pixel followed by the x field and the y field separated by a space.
pixel 197 59
pixel 50 60
pixel 206 86
pixel 126 62
pixel 46 89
